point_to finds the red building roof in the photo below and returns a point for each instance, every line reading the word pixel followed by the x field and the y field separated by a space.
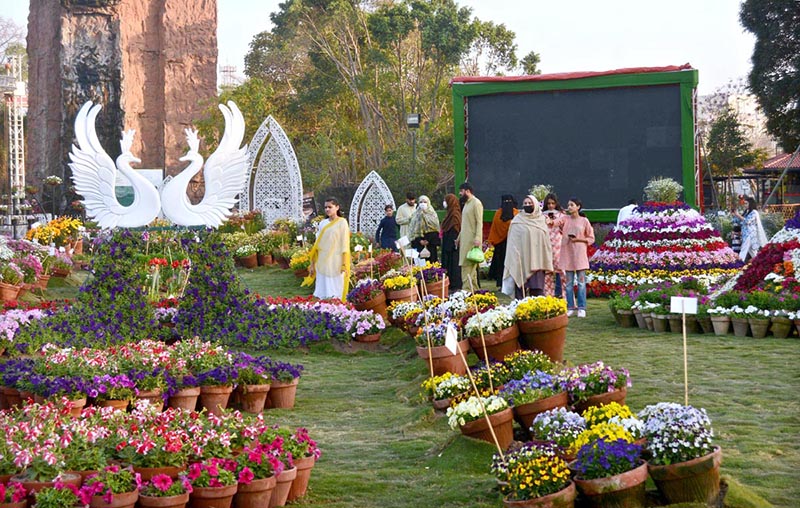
pixel 568 75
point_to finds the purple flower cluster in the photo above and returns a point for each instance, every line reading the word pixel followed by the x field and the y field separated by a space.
pixel 601 458
pixel 656 207
pixel 794 222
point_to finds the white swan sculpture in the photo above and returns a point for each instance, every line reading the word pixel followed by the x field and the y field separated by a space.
pixel 94 175
pixel 224 174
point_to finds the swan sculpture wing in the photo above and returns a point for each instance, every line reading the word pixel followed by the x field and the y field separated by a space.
pixel 224 174
pixel 94 176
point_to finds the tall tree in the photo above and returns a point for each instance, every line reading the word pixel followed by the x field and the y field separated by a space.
pixel 530 64
pixel 775 76
pixel 728 150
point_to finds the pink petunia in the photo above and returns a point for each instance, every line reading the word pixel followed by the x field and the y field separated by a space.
pixel 162 482
pixel 246 476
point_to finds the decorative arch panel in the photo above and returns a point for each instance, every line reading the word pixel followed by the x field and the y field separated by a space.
pixel 367 208
pixel 274 184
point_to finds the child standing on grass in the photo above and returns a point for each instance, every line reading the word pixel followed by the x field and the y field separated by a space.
pixel 574 259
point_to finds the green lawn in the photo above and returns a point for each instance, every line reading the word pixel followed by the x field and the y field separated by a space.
pixel 384 447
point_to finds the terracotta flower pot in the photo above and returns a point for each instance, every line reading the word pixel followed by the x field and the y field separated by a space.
pixel 212 497
pixel 564 498
pixel 256 494
pixel 154 396
pixel 33 486
pixel 283 483
pixel 601 399
pixel 13 397
pixel 741 327
pixel 253 398
pixel 185 398
pixel 758 327
pixel 695 480
pixel 118 405
pixel 781 327
pixel 648 319
pixel 123 500
pixel 44 280
pixel 84 474
pixel 545 335
pixel 502 423
pixel 21 504
pixel 250 261
pixel 440 288
pixel 215 398
pixel 77 406
pixel 300 482
pixel 376 305
pixel 147 473
pixel 640 319
pixel 164 502
pixel 402 295
pixel 441 404
pixel 373 337
pixel 721 324
pixel 301 274
pixel 497 345
pixel 264 259
pixel 60 272
pixel 705 324
pixel 626 318
pixel 8 292
pixel 444 360
pixel 525 413
pixel 660 323
pixel 282 395
pixel 625 490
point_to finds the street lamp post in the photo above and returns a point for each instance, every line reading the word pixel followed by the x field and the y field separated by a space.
pixel 412 121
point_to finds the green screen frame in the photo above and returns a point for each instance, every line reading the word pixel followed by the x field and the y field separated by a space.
pixel 687 79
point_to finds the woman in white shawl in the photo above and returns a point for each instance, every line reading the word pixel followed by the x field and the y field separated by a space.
pixel 529 255
pixel 424 229
pixel 753 236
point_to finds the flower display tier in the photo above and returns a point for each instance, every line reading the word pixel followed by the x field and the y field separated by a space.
pixel 660 241
pixel 778 262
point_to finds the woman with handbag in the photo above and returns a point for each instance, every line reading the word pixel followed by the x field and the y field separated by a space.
pixel 529 255
pixel 425 230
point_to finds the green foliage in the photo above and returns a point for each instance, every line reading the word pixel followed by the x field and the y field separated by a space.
pixel 530 64
pixel 663 190
pixel 775 75
pixel 728 148
pixel 52 497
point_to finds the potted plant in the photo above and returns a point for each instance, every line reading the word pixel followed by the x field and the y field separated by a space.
pixel 560 426
pixel 165 492
pixel 720 319
pixel 523 361
pixel 534 476
pixel 369 327
pixel 430 341
pixel 399 286
pixel 12 495
pixel 113 487
pixel 62 265
pixel 214 483
pixel 256 469
pixel 300 262
pixel 368 294
pixel 114 391
pixel 283 390
pixel 596 384
pixel 536 392
pixel 542 322
pixel 305 455
pixel 780 324
pixel 168 448
pixel 468 416
pixel 10 280
pixel 252 382
pixel 611 473
pixel 59 496
pixel 493 333
pixel 684 464
pixel 440 389
pixel 758 319
pixel 435 280
pixel 246 256
pixel 739 321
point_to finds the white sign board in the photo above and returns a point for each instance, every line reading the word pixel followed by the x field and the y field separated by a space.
pixel 683 305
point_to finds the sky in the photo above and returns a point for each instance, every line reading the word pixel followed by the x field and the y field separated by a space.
pixel 569 35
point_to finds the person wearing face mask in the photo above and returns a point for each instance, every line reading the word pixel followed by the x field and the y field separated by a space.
pixel 424 229
pixel 451 226
pixel 529 256
pixel 498 233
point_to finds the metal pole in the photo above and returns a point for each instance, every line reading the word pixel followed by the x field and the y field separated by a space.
pixel 413 152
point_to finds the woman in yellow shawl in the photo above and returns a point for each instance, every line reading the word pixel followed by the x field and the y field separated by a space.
pixel 529 255
pixel 330 255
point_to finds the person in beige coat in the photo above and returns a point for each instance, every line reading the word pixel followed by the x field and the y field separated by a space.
pixel 471 236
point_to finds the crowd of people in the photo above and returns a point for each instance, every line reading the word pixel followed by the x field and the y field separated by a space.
pixel 540 249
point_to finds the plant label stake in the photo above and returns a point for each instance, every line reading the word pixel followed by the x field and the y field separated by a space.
pixel 451 341
pixel 687 306
pixel 483 342
pixel 427 331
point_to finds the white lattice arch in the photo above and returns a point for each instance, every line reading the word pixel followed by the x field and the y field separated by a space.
pixel 274 184
pixel 368 205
